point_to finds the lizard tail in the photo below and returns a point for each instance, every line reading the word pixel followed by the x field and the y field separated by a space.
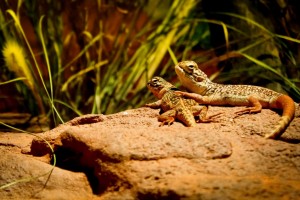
pixel 287 105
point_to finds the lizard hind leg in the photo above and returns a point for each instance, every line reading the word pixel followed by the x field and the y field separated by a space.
pixel 255 107
pixel 201 112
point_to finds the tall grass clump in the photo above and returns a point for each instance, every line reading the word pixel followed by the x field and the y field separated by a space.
pixel 95 65
pixel 287 81
pixel 15 60
pixel 100 59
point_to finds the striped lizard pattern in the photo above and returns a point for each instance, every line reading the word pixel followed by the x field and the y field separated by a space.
pixel 207 92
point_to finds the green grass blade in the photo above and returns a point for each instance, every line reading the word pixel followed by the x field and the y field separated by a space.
pixel 19 27
pixel 252 22
pixel 68 106
pixel 287 38
pixel 262 64
pixel 46 56
pixel 80 73
pixel 173 57
pixel 86 47
pixel 249 20
pixel 13 80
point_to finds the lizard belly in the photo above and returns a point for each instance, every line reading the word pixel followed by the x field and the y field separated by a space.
pixel 169 101
pixel 226 100
pixel 185 115
pixel 239 95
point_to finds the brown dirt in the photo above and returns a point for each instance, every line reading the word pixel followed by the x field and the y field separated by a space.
pixel 128 156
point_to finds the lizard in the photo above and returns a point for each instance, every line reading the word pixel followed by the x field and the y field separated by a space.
pixel 174 106
pixel 254 97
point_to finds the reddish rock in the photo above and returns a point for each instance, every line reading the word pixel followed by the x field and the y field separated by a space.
pixel 32 177
pixel 128 156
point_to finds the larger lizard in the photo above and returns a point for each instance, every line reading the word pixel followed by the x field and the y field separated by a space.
pixel 174 106
pixel 255 97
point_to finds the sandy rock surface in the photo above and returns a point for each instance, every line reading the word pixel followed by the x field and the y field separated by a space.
pixel 128 156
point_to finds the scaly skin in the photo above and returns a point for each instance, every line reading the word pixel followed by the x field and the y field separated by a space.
pixel 174 106
pixel 207 92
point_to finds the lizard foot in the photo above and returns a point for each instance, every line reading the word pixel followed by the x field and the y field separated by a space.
pixel 212 118
pixel 249 110
pixel 164 120
pixel 241 112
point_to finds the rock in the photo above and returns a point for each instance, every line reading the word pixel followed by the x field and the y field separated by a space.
pixel 32 177
pixel 128 156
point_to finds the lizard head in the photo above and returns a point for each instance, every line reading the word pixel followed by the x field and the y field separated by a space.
pixel 191 77
pixel 159 86
pixel 191 70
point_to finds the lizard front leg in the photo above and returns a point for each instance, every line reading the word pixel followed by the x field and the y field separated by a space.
pixel 154 105
pixel 167 117
pixel 197 97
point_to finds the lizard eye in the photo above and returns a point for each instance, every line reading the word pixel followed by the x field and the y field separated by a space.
pixel 191 66
pixel 155 82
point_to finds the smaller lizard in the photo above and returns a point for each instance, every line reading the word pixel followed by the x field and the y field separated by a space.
pixel 174 106
pixel 255 97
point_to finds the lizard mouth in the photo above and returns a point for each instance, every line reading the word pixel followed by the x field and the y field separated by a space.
pixel 152 87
